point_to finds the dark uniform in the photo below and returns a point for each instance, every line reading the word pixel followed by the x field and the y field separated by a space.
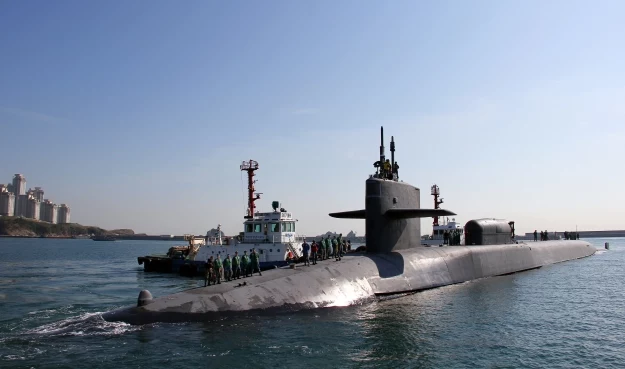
pixel 209 273
pixel 255 262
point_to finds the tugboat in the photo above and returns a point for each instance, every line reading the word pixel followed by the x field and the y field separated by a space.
pixel 437 238
pixel 272 234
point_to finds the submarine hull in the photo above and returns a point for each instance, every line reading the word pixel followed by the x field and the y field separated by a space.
pixel 358 278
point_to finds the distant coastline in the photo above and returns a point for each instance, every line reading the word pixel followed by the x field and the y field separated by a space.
pixel 19 227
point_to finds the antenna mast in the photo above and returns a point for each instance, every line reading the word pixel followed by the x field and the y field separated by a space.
pixel 250 167
pixel 436 192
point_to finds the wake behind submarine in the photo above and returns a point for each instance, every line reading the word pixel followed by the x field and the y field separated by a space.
pixel 394 262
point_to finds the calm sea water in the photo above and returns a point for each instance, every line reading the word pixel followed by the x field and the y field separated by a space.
pixel 52 294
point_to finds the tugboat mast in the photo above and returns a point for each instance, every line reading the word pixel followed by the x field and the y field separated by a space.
pixel 436 192
pixel 250 167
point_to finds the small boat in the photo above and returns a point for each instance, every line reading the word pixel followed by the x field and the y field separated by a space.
pixel 103 238
pixel 453 230
pixel 272 234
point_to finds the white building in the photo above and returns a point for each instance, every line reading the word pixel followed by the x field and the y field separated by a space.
pixel 7 202
pixel 63 215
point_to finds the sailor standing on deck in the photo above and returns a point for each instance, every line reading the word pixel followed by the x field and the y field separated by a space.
pixel 218 269
pixel 228 268
pixel 535 236
pixel 314 248
pixel 306 250
pixel 245 263
pixel 328 244
pixel 209 273
pixel 322 249
pixel 236 266
pixel 255 262
pixel 335 249
pixel 339 242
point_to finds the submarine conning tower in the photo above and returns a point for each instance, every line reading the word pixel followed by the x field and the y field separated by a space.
pixel 392 210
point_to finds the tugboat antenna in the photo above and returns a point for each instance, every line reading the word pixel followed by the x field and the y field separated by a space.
pixel 250 167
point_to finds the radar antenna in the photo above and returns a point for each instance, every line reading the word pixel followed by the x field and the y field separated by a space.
pixel 250 167
pixel 436 192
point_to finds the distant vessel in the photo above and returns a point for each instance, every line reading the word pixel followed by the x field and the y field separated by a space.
pixel 437 238
pixel 104 238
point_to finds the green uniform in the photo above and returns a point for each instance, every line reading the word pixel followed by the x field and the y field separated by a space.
pixel 236 267
pixel 339 241
pixel 245 263
pixel 217 268
pixel 335 249
pixel 328 242
pixel 227 269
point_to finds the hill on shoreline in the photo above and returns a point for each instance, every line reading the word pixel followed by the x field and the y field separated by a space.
pixel 23 227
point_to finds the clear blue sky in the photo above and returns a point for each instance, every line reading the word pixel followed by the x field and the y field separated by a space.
pixel 138 113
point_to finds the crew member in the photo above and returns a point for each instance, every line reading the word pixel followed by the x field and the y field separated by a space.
pixel 228 268
pixel 339 241
pixel 245 263
pixel 255 262
pixel 218 269
pixel 328 245
pixel 306 250
pixel 236 266
pixel 314 248
pixel 387 169
pixel 209 273
pixel 396 170
pixel 535 236
pixel 335 248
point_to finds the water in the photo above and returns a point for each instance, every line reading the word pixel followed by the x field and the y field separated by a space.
pixel 52 294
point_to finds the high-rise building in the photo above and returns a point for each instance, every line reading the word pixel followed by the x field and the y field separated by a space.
pixel 7 202
pixel 21 203
pixel 38 192
pixel 63 214
pixel 33 208
pixel 19 184
pixel 48 212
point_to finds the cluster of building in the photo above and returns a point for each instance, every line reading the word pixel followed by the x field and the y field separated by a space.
pixel 16 201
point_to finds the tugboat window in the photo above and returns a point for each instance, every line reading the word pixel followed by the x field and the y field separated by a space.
pixel 275 227
pixel 249 228
pixel 270 250
pixel 283 227
pixel 278 250
pixel 261 251
pixel 257 227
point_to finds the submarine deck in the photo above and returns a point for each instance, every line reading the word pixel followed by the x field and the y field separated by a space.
pixel 358 277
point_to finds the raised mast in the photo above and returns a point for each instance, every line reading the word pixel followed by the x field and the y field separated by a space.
pixel 250 167
pixel 436 192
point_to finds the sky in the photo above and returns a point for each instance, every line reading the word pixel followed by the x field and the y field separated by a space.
pixel 137 114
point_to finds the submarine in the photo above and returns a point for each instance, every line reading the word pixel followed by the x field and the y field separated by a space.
pixel 393 262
